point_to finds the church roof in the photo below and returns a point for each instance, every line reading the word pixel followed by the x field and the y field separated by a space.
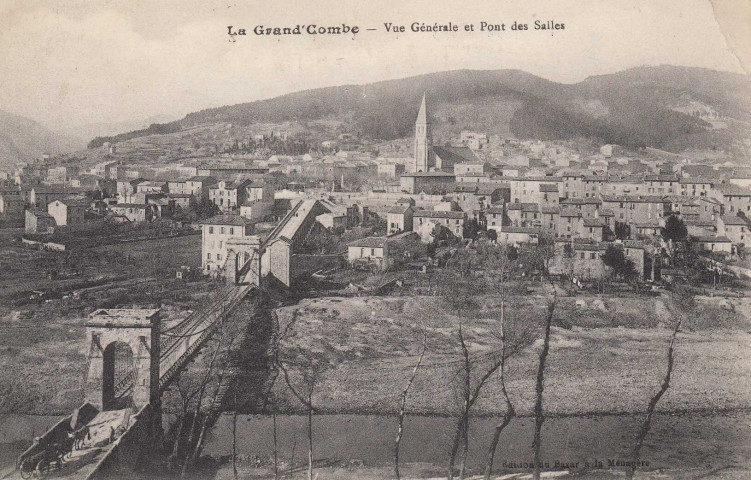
pixel 422 117
pixel 456 154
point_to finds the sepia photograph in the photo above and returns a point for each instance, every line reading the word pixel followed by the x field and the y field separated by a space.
pixel 374 240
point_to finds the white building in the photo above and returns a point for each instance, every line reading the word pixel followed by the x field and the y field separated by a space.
pixel 215 232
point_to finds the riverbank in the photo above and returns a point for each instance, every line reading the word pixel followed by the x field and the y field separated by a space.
pixel 360 446
pixel 607 357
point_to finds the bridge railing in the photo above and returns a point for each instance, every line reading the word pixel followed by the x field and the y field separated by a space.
pixel 176 357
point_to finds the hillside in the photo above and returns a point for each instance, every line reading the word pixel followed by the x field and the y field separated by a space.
pixel 22 139
pixel 91 130
pixel 672 108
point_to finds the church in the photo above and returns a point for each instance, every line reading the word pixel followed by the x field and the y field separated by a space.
pixel 429 158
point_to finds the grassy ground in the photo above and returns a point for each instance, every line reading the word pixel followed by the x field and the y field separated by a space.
pixel 607 355
pixel 43 345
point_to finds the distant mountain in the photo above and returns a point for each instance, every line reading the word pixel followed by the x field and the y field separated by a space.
pixel 666 107
pixel 22 139
pixel 101 129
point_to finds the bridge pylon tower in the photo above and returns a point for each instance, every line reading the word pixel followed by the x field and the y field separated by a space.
pixel 110 330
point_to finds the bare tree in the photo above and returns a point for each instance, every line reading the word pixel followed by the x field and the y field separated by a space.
pixel 217 397
pixel 228 335
pixel 471 389
pixel 539 415
pixel 199 400
pixel 311 372
pixel 276 461
pixel 685 301
pixel 510 412
pixel 187 390
pixel 403 405
pixel 311 383
pixel 234 434
pixel 475 372
pixel 461 436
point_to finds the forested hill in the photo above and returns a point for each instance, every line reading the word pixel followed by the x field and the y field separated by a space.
pixel 664 107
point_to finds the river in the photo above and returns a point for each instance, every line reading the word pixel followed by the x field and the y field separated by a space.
pixel 676 441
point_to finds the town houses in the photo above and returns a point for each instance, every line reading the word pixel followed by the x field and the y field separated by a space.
pixel 519 191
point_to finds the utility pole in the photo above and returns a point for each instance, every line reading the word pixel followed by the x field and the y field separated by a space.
pixel 654 260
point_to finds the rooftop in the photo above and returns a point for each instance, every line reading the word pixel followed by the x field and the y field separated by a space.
pixel 74 202
pixel 580 201
pixel 733 220
pixel 369 242
pixel 457 154
pixel 594 222
pixel 429 174
pixel 201 178
pixel 129 205
pixel 233 220
pixel 524 207
pixel 635 198
pixel 712 239
pixel 735 190
pixel 123 317
pixel 438 214
pixel 529 230
pixel 400 209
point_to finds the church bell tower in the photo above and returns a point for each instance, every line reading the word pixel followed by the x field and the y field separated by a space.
pixel 423 140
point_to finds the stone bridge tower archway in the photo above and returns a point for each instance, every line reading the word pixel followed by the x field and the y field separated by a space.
pixel 110 330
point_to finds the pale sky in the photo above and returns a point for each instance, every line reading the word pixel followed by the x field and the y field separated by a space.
pixel 76 62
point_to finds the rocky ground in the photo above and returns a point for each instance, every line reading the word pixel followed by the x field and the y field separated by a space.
pixel 608 355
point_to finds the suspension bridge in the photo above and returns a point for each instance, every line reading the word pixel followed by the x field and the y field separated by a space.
pixel 159 355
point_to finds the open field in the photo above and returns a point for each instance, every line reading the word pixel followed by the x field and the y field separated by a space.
pixel 26 268
pixel 609 358
pixel 43 344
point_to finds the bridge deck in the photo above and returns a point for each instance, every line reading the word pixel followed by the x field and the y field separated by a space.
pixel 81 463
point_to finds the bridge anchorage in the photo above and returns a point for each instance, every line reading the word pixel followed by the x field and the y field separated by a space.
pixel 116 336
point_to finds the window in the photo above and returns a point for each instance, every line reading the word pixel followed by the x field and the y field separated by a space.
pixel 219 257
pixel 208 256
pixel 231 230
pixel 222 230
pixel 582 255
pixel 372 252
pixel 593 255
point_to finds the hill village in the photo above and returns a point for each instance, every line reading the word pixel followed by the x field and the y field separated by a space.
pixel 274 274
pixel 476 187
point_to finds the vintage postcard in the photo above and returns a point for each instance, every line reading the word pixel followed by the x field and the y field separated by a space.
pixel 375 240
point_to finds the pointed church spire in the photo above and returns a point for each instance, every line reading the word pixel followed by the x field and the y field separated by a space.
pixel 422 117
pixel 424 157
